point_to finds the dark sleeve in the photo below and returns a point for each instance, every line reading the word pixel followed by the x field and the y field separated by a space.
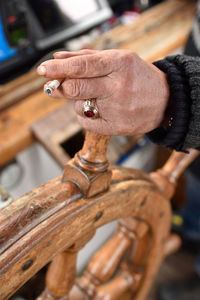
pixel 183 74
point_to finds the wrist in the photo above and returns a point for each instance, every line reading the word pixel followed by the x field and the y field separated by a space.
pixel 168 114
pixel 165 102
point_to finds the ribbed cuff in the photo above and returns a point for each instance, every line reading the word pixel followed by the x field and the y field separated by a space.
pixel 173 136
pixel 190 67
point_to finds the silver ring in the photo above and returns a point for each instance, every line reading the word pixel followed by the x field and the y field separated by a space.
pixel 90 109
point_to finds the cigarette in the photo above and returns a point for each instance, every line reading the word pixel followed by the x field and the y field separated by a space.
pixel 51 87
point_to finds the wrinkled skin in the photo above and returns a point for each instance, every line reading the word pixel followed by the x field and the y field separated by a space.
pixel 131 94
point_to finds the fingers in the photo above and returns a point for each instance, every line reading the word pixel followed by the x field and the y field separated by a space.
pixel 98 125
pixel 84 88
pixel 67 54
pixel 103 106
pixel 83 66
pixel 95 125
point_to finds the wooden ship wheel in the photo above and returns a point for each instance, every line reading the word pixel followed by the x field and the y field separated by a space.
pixel 54 221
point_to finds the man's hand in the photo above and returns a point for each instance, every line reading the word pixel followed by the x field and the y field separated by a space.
pixel 131 94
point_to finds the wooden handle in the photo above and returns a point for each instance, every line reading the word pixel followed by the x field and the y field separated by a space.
pixel 60 276
pixel 177 163
pixel 104 263
pixel 167 177
pixel 92 157
pixel 115 288
pixel 172 244
pixel 89 168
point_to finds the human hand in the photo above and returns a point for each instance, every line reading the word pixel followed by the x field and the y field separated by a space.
pixel 131 94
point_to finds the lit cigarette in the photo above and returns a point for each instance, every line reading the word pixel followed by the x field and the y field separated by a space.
pixel 51 87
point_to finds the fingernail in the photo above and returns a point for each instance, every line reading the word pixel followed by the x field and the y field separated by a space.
pixel 41 70
pixel 61 52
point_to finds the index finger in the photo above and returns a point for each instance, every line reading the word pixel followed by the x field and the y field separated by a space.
pixel 84 66
pixel 67 54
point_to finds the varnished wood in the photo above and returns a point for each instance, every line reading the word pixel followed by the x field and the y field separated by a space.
pixel 172 244
pixel 61 275
pixel 57 207
pixel 43 238
pixel 92 157
pixel 116 287
pixel 166 178
pixel 89 168
pixel 176 164
pixel 138 252
pixel 4 195
pixel 97 279
pixel 179 198
pixel 105 262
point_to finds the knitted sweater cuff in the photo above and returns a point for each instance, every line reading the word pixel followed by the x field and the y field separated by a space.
pixel 174 136
pixel 190 67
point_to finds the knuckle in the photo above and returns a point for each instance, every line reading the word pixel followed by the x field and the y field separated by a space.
pixel 129 57
pixel 123 60
pixel 54 68
pixel 74 88
pixel 103 62
pixel 77 65
pixel 87 51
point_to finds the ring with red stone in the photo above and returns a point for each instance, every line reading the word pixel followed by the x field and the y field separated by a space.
pixel 90 109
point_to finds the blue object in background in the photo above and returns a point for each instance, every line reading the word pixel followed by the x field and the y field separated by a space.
pixel 6 51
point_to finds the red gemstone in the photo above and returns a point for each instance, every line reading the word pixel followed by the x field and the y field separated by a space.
pixel 89 114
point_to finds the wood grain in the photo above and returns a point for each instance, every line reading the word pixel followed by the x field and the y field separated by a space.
pixel 166 177
pixel 43 238
pixel 55 218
